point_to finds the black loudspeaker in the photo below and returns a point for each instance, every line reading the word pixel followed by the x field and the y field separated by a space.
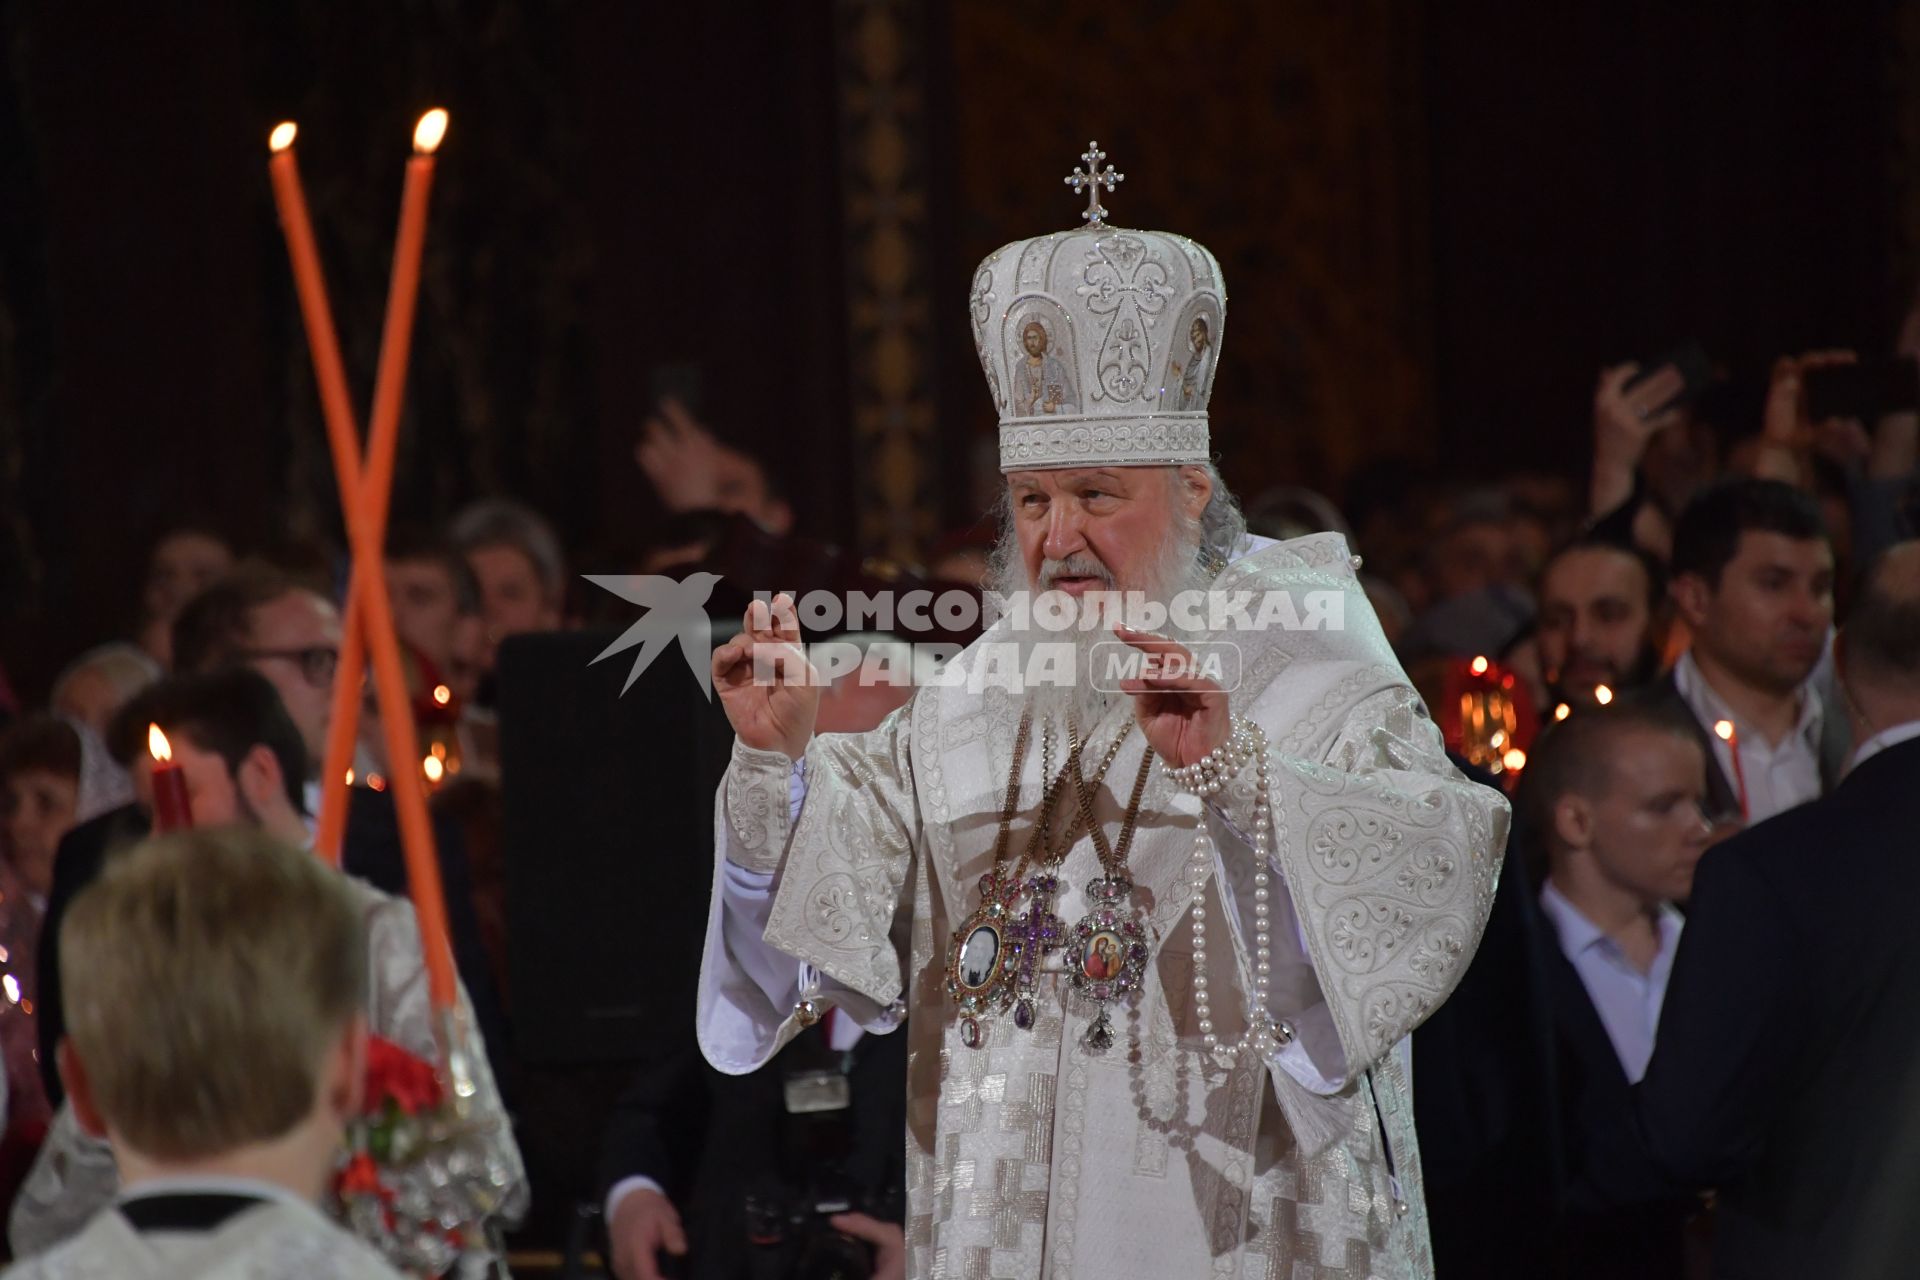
pixel 607 830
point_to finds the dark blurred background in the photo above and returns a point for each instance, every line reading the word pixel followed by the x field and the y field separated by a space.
pixel 1437 222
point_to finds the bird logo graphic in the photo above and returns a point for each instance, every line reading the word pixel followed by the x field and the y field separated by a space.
pixel 675 611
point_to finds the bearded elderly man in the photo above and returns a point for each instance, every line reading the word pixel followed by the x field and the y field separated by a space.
pixel 1288 875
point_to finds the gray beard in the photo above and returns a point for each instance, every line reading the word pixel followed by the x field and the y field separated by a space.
pixel 1176 568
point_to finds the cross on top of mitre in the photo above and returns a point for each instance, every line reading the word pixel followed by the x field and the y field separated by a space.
pixel 1093 178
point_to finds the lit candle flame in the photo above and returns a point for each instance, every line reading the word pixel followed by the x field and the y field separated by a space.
pixel 433 769
pixel 282 136
pixel 1562 711
pixel 1515 760
pixel 1725 729
pixel 349 777
pixel 442 694
pixel 157 745
pixel 377 782
pixel 1602 694
pixel 1498 740
pixel 431 129
pixel 1480 666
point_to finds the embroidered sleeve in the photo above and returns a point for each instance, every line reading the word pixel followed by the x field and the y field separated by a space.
pixel 756 799
pixel 847 859
pixel 1390 857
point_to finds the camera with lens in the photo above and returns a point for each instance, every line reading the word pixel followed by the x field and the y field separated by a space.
pixel 788 1218
pixel 791 1236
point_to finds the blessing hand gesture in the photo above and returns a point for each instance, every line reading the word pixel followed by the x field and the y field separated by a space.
pixel 770 692
pixel 1183 714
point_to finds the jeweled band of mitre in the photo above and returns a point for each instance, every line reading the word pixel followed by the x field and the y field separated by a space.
pixel 1099 344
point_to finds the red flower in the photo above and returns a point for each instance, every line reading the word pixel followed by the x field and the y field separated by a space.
pixel 360 1176
pixel 396 1075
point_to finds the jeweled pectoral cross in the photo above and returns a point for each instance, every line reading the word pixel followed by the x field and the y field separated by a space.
pixel 1040 931
pixel 1093 178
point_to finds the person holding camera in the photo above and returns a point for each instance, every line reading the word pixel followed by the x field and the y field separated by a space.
pixel 794 1170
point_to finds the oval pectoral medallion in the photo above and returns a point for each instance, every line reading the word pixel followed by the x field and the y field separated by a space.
pixel 1107 954
pixel 979 958
pixel 981 962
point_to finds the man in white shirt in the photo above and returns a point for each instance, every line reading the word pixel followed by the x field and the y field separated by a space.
pixel 217 1042
pixel 1615 797
pixel 1753 581
pixel 1612 798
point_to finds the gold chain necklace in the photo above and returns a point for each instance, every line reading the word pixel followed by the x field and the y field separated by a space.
pixel 992 956
pixel 1107 956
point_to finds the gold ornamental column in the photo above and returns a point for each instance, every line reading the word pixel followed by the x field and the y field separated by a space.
pixel 881 51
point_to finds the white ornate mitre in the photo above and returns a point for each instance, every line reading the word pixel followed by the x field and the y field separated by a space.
pixel 1099 344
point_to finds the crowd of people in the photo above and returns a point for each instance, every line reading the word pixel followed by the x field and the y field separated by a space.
pixel 1715 646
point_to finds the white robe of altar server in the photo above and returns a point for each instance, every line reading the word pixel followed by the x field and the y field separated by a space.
pixel 1031 1157
pixel 280 1238
pixel 74 1175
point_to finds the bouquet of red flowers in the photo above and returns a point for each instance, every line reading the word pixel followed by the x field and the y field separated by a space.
pixel 405 1185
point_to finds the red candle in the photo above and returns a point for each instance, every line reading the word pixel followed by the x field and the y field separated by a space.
pixel 1732 738
pixel 172 809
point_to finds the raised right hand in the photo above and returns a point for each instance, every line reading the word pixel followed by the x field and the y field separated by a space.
pixel 1624 418
pixel 644 1223
pixel 770 692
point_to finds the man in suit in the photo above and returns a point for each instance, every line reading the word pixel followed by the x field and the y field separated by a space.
pixel 1787 1059
pixel 1564 1008
pixel 688 1147
pixel 1752 579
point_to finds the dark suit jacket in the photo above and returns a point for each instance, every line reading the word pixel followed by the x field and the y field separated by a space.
pixel 1722 799
pixel 370 850
pixel 709 1139
pixel 1787 1071
pixel 1503 1071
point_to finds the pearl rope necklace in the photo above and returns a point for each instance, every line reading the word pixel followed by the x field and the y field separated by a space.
pixel 1206 778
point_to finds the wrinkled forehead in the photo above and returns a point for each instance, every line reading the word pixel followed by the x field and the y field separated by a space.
pixel 1126 480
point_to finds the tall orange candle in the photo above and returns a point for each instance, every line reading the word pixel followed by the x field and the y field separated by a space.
pixel 364 500
pixel 367 525
pixel 336 405
pixel 369 499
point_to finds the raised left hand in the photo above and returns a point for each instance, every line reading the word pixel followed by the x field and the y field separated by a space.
pixel 1184 715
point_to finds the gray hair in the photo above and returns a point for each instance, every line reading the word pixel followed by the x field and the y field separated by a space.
pixel 1222 526
pixel 126 667
pixel 496 522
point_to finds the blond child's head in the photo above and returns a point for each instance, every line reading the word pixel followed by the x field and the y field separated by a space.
pixel 215 981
